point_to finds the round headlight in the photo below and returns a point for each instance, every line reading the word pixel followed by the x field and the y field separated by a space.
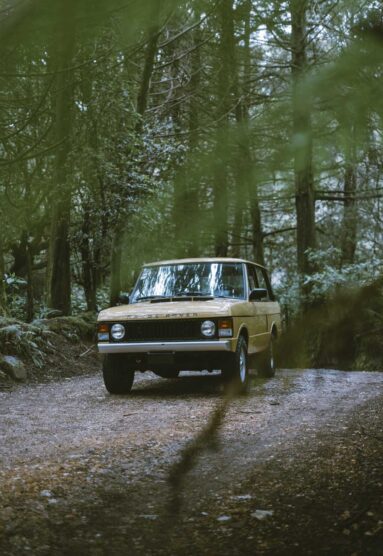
pixel 208 328
pixel 117 331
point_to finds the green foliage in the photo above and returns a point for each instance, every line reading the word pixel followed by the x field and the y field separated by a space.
pixel 193 129
pixel 31 342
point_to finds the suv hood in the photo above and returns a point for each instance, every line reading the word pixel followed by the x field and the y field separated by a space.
pixel 174 310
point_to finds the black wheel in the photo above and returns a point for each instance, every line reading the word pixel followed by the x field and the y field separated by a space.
pixel 170 373
pixel 118 377
pixel 266 360
pixel 236 372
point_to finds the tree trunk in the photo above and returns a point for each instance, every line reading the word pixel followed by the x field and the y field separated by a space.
pixel 256 226
pixel 91 241
pixel 350 212
pixel 30 309
pixel 246 188
pixel 59 270
pixel 225 96
pixel 88 273
pixel 186 193
pixel 115 264
pixel 220 207
pixel 150 56
pixel 3 297
pixel 302 140
pixel 142 102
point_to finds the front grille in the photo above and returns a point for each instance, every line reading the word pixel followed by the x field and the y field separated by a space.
pixel 162 330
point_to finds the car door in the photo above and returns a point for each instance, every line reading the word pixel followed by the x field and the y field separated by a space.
pixel 258 325
pixel 270 306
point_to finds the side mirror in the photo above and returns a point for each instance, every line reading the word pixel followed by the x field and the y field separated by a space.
pixel 123 299
pixel 258 294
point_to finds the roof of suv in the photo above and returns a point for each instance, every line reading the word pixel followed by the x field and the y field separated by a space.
pixel 202 260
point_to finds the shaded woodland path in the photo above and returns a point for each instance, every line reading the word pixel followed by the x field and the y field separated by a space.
pixel 83 472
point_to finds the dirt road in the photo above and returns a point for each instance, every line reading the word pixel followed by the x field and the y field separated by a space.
pixel 295 467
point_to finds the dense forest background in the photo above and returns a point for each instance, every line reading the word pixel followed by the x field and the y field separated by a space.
pixel 135 131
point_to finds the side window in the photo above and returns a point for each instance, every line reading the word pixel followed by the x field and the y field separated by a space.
pixel 252 276
pixel 264 282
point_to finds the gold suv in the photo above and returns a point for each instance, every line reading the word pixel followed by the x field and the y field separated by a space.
pixel 191 314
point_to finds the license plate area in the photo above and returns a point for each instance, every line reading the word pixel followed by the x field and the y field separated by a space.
pixel 161 359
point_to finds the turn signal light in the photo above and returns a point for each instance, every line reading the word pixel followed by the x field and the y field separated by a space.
pixel 225 328
pixel 103 333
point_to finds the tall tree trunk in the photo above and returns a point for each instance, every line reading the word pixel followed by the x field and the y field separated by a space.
pixel 180 204
pixel 302 140
pixel 350 212
pixel 88 272
pixel 186 194
pixel 59 270
pixel 257 230
pixel 3 297
pixel 225 95
pixel 150 56
pixel 142 102
pixel 246 188
pixel 30 309
pixel 90 241
pixel 220 206
pixel 115 263
pixel 242 162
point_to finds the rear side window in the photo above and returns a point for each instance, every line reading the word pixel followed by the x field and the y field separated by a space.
pixel 264 282
pixel 252 277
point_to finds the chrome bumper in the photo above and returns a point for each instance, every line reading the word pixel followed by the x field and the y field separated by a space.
pixel 150 347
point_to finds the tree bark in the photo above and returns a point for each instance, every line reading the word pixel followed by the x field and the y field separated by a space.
pixel 59 269
pixel 302 141
pixel 150 56
pixel 246 188
pixel 186 193
pixel 3 297
pixel 91 242
pixel 142 102
pixel 350 212
pixel 30 306
pixel 88 271
pixel 225 96
pixel 257 230
pixel 242 162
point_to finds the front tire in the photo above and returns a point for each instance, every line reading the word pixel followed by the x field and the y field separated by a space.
pixel 266 362
pixel 236 372
pixel 118 377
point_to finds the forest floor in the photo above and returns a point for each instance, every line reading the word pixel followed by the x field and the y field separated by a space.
pixel 294 469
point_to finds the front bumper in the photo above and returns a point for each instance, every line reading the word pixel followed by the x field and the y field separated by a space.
pixel 173 347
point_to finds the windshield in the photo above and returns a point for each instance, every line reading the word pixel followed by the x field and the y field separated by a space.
pixel 190 280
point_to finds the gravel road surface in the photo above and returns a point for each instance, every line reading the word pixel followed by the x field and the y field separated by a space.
pixel 295 467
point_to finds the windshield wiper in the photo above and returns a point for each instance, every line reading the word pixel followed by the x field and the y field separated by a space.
pixel 193 295
pixel 153 298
